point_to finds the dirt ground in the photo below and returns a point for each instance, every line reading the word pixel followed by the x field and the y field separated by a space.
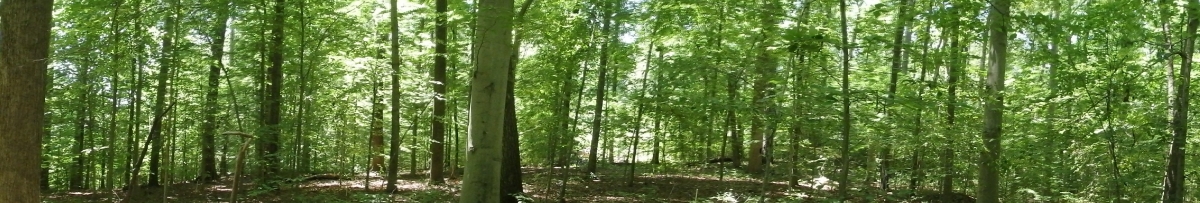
pixel 676 184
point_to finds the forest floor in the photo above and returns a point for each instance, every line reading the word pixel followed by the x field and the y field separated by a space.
pixel 655 184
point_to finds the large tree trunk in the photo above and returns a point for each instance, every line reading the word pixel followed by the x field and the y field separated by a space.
pixel 269 142
pixel 23 50
pixel 488 91
pixel 1173 183
pixel 989 159
pixel 764 89
pixel 844 169
pixel 438 126
pixel 510 169
pixel 208 164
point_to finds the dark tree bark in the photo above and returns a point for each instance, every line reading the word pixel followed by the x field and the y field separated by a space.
pixel 438 124
pixel 208 164
pixel 23 52
pixel 597 120
pixel 83 114
pixel 160 99
pixel 269 142
pixel 510 166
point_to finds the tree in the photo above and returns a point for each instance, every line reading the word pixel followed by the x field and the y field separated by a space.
pixel 208 164
pixel 160 97
pixel 268 146
pixel 897 63
pixel 989 173
pixel 764 88
pixel 481 182
pixel 1173 183
pixel 24 46
pixel 510 167
pixel 438 125
pixel 598 118
pixel 844 169
pixel 394 142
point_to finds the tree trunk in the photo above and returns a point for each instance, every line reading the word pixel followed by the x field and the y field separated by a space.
pixel 160 99
pixel 989 159
pixel 917 177
pixel 597 120
pixel 946 184
pixel 78 168
pixel 510 169
pixel 844 171
pixel 438 126
pixel 208 165
pixel 269 142
pixel 300 144
pixel 764 89
pixel 376 138
pixel 26 44
pixel 1173 183
pixel 885 172
pixel 488 91
pixel 735 133
pixel 394 142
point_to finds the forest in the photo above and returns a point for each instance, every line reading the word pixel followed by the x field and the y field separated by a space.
pixel 596 101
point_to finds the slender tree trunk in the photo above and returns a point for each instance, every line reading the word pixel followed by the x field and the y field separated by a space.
pixel 376 138
pixel 735 133
pixel 844 171
pixel 300 143
pixel 918 172
pixel 412 158
pixel 1173 184
pixel 948 154
pixel 488 91
pixel 81 127
pixel 394 142
pixel 597 120
pixel 160 99
pixel 26 43
pixel 885 172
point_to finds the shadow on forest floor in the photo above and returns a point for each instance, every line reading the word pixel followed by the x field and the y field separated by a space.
pixel 611 185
